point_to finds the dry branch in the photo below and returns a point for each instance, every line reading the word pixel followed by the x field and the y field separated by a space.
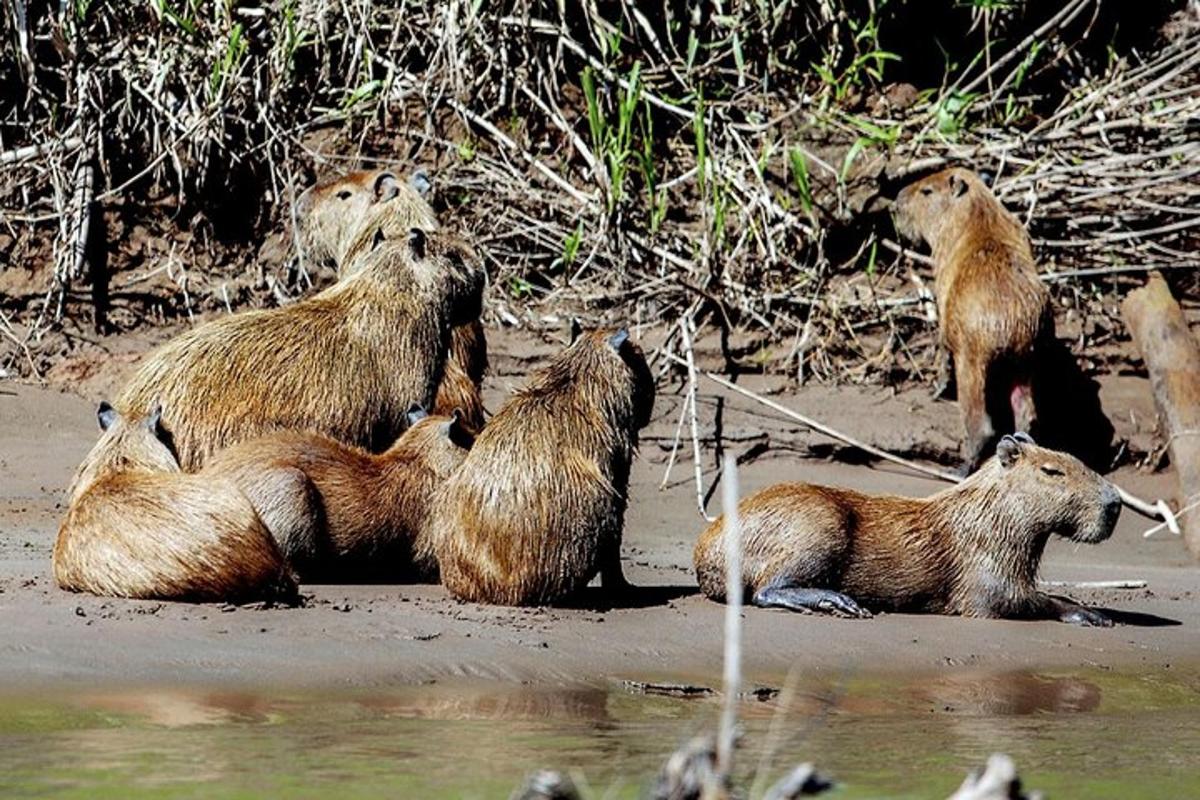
pixel 1156 510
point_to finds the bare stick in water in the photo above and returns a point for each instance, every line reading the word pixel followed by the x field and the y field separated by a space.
pixel 733 617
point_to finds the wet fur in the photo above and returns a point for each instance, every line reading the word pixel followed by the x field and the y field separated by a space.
pixel 339 512
pixel 538 506
pixel 347 362
pixel 994 313
pixel 337 213
pixel 972 550
pixel 137 527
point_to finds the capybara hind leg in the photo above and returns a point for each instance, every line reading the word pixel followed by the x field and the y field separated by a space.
pixel 977 424
pixel 1060 608
pixel 945 374
pixel 795 598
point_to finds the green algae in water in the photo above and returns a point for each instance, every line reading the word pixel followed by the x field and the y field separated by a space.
pixel 1083 734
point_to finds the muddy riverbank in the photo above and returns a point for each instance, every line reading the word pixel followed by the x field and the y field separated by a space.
pixel 389 635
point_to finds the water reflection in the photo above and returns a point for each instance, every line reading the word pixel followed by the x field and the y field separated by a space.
pixel 447 740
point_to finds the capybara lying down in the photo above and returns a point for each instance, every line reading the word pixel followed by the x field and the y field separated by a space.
pixel 138 527
pixel 337 214
pixel 994 314
pixel 972 549
pixel 347 362
pixel 339 512
pixel 538 505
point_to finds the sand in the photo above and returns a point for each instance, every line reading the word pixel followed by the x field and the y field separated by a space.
pixel 398 635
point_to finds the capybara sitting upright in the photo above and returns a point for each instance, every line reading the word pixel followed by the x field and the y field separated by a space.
pixel 339 512
pixel 337 214
pixel 347 362
pixel 537 507
pixel 994 315
pixel 138 527
pixel 973 549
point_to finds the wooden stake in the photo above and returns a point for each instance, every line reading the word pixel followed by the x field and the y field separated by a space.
pixel 1172 358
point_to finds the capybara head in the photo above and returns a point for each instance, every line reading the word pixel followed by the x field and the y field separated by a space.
pixel 124 446
pixel 610 371
pixel 927 209
pixel 334 214
pixel 1048 492
pixel 442 259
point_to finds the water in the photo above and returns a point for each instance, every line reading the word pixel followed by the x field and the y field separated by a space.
pixel 1083 734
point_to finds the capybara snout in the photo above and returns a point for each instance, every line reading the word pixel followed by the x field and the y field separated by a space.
pixel 923 207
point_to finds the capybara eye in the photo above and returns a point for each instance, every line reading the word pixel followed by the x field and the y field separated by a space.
pixel 926 190
pixel 1052 470
pixel 344 194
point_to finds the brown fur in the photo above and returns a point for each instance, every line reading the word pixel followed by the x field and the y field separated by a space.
pixel 138 527
pixel 994 314
pixel 347 362
pixel 973 549
pixel 538 506
pixel 351 515
pixel 334 217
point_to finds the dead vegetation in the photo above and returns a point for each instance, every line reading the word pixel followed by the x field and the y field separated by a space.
pixel 723 165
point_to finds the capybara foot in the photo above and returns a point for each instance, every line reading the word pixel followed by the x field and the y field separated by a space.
pixel 809 600
pixel 1088 618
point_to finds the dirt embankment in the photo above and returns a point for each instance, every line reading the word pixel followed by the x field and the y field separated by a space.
pixel 406 634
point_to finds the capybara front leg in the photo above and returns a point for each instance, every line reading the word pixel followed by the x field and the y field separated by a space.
pixel 945 374
pixel 795 598
pixel 1064 610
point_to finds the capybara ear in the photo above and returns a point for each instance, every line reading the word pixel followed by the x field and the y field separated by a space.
pixel 153 420
pixel 958 186
pixel 1008 451
pixel 1023 437
pixel 416 412
pixel 416 243
pixel 386 187
pixel 618 339
pixel 420 183
pixel 106 415
pixel 576 329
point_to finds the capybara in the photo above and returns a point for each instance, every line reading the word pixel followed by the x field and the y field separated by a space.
pixel 336 215
pixel 537 507
pixel 339 512
pixel 972 549
pixel 138 527
pixel 347 362
pixel 994 315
